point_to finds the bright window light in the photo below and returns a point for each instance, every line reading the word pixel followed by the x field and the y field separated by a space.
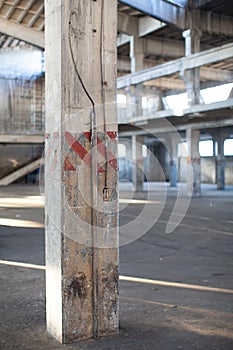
pixel 217 93
pixel 177 103
pixel 144 102
pixel 121 99
pixel 216 148
pixel 206 148
pixel 144 151
pixel 121 150
pixel 24 64
pixel 228 147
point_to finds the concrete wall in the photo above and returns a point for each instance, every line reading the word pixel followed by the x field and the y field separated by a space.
pixel 229 170
pixel 21 111
pixel 157 163
pixel 208 170
pixel 22 105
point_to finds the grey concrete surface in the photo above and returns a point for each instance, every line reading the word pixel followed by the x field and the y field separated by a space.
pixel 197 256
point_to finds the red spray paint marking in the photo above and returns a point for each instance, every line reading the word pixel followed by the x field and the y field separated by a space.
pixel 111 159
pixel 78 148
pixel 112 134
pixel 68 166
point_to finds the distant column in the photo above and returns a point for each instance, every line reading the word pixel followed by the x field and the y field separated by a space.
pixel 192 76
pixel 173 162
pixel 193 162
pixel 220 165
pixel 137 163
pixel 125 162
pixel 219 136
pixel 137 64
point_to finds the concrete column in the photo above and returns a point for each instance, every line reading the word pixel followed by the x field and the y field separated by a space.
pixel 137 164
pixel 219 135
pixel 134 101
pixel 81 170
pixel 220 165
pixel 125 163
pixel 137 64
pixel 193 162
pixel 192 77
pixel 174 161
pixel 136 54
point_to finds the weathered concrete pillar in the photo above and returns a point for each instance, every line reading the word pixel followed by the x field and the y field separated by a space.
pixel 219 135
pixel 192 76
pixel 193 162
pixel 220 165
pixel 125 163
pixel 136 54
pixel 81 169
pixel 137 63
pixel 174 160
pixel 137 164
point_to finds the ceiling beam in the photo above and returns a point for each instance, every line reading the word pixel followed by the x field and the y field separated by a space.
pixel 215 23
pixel 216 74
pixel 156 47
pixel 199 3
pixel 206 73
pixel 179 65
pixel 160 10
pixel 127 24
pixel 147 25
pixel 11 9
pixel 167 83
pixel 164 48
pixel 214 109
pixel 168 13
pixel 25 10
pixel 10 138
pixel 21 32
pixel 122 39
pixel 180 3
pixel 36 16
pixel 167 129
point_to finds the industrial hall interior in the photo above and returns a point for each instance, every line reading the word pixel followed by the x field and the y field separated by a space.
pixel 116 174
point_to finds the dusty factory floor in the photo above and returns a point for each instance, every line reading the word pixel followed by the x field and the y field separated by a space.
pixel 176 288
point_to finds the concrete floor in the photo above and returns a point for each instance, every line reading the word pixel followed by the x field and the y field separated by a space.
pixel 187 303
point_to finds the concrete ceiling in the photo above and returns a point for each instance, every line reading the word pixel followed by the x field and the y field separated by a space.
pixel 22 21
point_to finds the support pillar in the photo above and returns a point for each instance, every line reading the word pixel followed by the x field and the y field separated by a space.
pixel 125 163
pixel 174 161
pixel 135 93
pixel 137 164
pixel 81 169
pixel 219 135
pixel 192 76
pixel 136 54
pixel 193 162
pixel 220 165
